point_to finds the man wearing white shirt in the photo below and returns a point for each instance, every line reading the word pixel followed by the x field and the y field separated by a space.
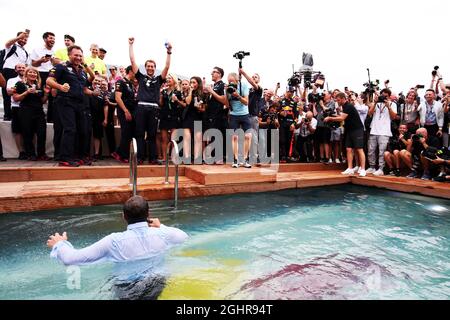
pixel 431 114
pixel 42 59
pixel 15 105
pixel 382 113
pixel 15 54
pixel 145 240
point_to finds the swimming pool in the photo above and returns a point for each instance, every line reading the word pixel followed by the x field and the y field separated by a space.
pixel 345 242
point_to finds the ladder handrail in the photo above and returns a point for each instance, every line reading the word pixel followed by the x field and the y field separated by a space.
pixel 176 150
pixel 133 166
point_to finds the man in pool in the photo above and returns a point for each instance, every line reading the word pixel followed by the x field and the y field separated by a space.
pixel 144 238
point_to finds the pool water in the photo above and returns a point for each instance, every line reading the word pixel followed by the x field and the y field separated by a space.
pixel 345 242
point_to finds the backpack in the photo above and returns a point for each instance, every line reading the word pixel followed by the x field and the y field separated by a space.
pixel 4 56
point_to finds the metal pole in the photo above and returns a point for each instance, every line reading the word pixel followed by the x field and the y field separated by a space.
pixel 133 166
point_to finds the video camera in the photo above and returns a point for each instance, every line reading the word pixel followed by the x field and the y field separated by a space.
pixel 331 113
pixel 232 88
pixel 295 80
pixel 431 153
pixel 307 74
pixel 371 87
pixel 241 55
pixel 435 71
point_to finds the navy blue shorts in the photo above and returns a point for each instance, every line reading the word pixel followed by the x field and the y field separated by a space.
pixel 240 122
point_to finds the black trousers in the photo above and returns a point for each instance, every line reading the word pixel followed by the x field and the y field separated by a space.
pixel 84 133
pixel 7 74
pixel 32 120
pixel 1 148
pixel 109 130
pixel 146 122
pixel 57 127
pixel 127 129
pixel 70 113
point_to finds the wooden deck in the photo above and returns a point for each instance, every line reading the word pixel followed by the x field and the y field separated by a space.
pixel 25 189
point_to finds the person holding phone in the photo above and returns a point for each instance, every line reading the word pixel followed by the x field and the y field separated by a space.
pixel 15 53
pixel 42 59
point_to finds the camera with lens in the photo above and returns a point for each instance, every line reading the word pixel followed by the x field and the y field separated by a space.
pixel 295 80
pixel 232 88
pixel 241 55
pixel 179 95
pixel 431 153
pixel 371 87
pixel 381 99
pixel 416 138
pixel 330 112
pixel 315 98
pixel 435 71
pixel 272 117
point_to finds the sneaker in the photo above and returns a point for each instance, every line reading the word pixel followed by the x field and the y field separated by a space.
pixel 379 172
pixel 22 156
pixel 139 162
pixel 426 176
pixel 348 172
pixel 412 175
pixel 338 161
pixel 397 172
pixel 32 158
pixel 44 158
pixel 356 169
pixel 362 173
pixel 157 162
pixel 116 156
pixel 442 177
pixel 235 164
pixel 247 164
pixel 68 164
pixel 371 170
pixel 391 172
pixel 87 161
pixel 220 162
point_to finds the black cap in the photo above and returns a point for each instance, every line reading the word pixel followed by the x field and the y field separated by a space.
pixel 66 36
pixel 102 50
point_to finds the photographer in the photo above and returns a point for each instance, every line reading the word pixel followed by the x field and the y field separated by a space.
pixel 444 175
pixel 432 114
pixel 382 113
pixel 413 157
pixel 354 138
pixel 306 126
pixel 287 114
pixel 398 142
pixel 324 106
pixel 254 103
pixel 237 96
pixel 268 119
pixel 446 127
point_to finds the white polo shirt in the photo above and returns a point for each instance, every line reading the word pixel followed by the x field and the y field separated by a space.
pixel 381 121
pixel 20 56
pixel 12 83
pixel 39 53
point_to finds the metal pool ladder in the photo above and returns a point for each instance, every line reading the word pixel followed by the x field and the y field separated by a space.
pixel 133 166
pixel 176 150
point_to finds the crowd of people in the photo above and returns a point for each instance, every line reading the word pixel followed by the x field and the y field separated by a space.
pixel 374 131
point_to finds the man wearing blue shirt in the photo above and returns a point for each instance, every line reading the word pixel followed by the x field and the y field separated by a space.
pixel 144 239
pixel 237 96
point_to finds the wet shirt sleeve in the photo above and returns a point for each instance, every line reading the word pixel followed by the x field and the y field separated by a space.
pixel 64 252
